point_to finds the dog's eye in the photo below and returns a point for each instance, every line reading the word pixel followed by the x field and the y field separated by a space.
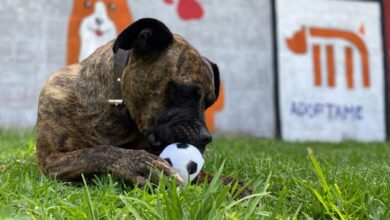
pixel 87 4
pixel 112 6
pixel 192 92
pixel 182 94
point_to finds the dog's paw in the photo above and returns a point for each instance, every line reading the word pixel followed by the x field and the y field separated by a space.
pixel 139 166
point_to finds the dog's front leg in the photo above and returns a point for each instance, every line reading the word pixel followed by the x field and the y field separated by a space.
pixel 135 166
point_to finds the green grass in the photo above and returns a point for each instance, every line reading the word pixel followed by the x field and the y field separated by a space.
pixel 329 181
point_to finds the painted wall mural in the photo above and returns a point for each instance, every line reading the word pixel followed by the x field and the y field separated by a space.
pixel 94 23
pixel 298 45
pixel 331 77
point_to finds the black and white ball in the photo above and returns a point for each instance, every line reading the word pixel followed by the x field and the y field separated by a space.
pixel 185 159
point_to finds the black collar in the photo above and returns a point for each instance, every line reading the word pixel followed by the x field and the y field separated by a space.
pixel 121 59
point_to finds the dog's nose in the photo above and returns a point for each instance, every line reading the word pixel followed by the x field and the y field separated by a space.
pixel 98 21
pixel 204 136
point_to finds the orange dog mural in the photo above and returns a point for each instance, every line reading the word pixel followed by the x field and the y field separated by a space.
pixel 95 22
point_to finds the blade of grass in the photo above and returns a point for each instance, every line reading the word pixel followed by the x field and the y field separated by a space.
pixel 295 216
pixel 144 205
pixel 318 170
pixel 317 195
pixel 328 200
pixel 89 200
pixel 281 197
pixel 244 199
pixel 254 203
pixel 133 211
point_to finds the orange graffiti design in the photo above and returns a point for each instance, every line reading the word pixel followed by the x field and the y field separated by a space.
pixel 298 44
pixel 212 110
pixel 317 65
pixel 330 64
pixel 117 10
pixel 349 66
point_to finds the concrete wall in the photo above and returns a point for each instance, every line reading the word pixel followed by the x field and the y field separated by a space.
pixel 238 37
pixel 32 46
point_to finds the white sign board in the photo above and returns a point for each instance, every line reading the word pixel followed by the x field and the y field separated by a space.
pixel 331 71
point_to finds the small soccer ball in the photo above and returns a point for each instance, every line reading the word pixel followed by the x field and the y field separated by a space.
pixel 185 159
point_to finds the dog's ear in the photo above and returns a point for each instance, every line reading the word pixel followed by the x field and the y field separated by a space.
pixel 146 36
pixel 215 70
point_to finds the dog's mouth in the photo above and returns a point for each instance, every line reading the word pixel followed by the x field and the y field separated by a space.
pixel 156 144
pixel 182 132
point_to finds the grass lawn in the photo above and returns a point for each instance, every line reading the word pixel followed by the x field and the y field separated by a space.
pixel 340 181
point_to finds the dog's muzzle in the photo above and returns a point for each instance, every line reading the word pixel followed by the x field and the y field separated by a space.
pixel 194 133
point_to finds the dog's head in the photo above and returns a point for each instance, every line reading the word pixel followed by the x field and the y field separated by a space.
pixel 166 85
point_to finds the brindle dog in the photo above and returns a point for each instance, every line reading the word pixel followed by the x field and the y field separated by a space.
pixel 165 85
